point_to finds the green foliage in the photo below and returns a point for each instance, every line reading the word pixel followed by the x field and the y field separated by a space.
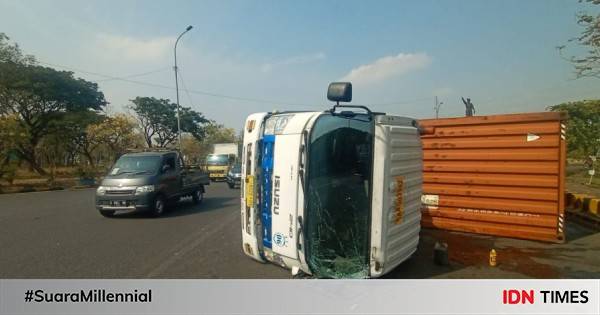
pixel 587 65
pixel 39 97
pixel 12 53
pixel 196 151
pixel 583 128
pixel 216 133
pixel 116 134
pixel 73 127
pixel 12 135
pixel 158 121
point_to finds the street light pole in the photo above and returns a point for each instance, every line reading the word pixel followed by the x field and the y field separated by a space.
pixel 177 89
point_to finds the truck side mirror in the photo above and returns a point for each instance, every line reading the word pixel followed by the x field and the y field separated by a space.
pixel 339 92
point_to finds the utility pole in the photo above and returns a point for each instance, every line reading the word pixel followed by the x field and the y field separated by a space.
pixel 436 107
pixel 177 89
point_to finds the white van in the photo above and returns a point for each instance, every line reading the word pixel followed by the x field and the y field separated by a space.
pixel 333 194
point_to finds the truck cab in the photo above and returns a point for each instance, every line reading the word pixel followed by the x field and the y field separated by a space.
pixel 223 156
pixel 333 194
pixel 217 166
pixel 146 181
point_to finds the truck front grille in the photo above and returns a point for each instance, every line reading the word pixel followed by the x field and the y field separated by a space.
pixel 120 192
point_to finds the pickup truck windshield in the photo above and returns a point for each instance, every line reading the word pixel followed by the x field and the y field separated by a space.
pixel 217 159
pixel 136 165
pixel 338 197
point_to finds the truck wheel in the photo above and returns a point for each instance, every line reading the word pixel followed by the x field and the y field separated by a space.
pixel 107 213
pixel 159 206
pixel 231 185
pixel 198 196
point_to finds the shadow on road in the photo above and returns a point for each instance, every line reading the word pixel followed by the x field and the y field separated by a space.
pixel 421 264
pixel 469 256
pixel 575 231
pixel 185 207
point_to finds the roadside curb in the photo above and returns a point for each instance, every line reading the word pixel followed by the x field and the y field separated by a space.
pixel 583 202
pixel 25 190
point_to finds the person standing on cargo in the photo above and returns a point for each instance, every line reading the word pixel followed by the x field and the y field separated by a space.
pixel 470 108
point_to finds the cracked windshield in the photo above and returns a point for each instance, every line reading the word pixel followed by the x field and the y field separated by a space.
pixel 338 202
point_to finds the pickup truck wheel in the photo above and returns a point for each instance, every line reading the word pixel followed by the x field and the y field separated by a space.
pixel 198 196
pixel 159 206
pixel 107 213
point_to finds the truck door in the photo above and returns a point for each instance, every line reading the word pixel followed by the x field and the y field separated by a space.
pixel 170 179
pixel 337 197
pixel 185 179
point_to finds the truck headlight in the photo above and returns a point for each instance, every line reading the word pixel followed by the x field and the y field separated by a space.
pixel 144 189
pixel 101 190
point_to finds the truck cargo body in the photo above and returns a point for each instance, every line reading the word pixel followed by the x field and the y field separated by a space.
pixel 330 195
pixel 499 174
pixel 225 148
pixel 221 159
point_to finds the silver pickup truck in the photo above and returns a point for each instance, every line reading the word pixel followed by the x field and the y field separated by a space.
pixel 146 181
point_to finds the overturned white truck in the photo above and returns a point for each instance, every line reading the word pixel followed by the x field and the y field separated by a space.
pixel 333 194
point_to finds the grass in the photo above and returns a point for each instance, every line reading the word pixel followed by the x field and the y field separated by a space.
pixel 29 181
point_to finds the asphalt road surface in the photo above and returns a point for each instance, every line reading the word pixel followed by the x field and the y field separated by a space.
pixel 59 234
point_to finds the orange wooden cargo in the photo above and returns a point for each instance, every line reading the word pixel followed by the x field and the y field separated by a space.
pixel 499 175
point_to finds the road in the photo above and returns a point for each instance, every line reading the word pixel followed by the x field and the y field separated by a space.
pixel 59 234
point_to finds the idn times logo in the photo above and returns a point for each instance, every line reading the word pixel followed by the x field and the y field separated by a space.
pixel 514 296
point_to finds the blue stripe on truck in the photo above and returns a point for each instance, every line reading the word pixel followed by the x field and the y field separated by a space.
pixel 268 145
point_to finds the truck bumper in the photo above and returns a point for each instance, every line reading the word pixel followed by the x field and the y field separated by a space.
pixel 140 202
pixel 217 176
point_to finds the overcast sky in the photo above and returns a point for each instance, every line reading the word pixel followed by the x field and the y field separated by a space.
pixel 250 56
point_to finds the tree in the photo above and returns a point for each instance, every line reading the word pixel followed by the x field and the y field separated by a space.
pixel 158 121
pixel 117 133
pixel 38 96
pixel 193 151
pixel 587 65
pixel 583 129
pixel 12 135
pixel 217 133
pixel 12 53
pixel 71 133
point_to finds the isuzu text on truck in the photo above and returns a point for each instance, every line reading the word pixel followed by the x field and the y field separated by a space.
pixel 333 194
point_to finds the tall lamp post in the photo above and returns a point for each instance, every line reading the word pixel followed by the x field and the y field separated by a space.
pixel 177 87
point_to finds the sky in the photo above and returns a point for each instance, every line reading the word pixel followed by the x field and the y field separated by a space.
pixel 243 57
